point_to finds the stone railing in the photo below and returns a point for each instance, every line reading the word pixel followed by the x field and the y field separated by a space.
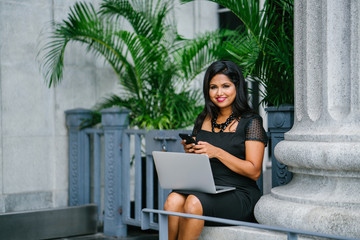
pixel 112 167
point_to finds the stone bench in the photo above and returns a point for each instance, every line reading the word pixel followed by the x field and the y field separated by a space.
pixel 244 233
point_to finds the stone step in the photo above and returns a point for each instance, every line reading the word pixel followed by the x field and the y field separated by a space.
pixel 49 223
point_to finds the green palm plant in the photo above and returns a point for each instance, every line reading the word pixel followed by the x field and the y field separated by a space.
pixel 154 64
pixel 265 49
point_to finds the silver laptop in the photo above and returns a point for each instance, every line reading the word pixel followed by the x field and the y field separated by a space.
pixel 186 171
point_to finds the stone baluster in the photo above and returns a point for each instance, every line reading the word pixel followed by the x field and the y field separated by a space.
pixel 323 147
pixel 78 184
pixel 114 121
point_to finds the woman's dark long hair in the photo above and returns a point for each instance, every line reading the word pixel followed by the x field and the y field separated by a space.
pixel 240 104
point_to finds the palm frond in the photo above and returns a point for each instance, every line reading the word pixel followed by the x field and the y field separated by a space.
pixel 245 49
pixel 111 101
pixel 51 60
pixel 142 16
pixel 82 26
pixel 198 52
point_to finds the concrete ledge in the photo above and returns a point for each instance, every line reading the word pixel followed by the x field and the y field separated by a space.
pixel 244 233
pixel 49 223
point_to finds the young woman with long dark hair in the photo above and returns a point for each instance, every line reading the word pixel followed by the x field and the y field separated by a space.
pixel 232 135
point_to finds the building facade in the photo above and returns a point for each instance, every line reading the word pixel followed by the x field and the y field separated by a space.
pixel 33 134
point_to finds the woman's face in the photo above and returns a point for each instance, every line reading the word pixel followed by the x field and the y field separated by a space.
pixel 222 91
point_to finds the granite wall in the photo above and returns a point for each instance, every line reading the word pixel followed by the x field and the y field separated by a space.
pixel 33 135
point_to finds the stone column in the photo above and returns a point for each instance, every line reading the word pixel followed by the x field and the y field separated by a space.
pixel 323 147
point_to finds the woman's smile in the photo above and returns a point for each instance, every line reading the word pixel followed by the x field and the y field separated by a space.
pixel 220 99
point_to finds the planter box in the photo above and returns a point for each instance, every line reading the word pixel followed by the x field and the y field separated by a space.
pixel 280 120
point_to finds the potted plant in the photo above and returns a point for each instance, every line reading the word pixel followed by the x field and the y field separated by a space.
pixel 154 64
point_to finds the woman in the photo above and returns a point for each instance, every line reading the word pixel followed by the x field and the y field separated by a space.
pixel 232 135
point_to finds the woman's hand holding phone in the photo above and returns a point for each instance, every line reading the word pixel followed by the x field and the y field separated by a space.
pixel 188 142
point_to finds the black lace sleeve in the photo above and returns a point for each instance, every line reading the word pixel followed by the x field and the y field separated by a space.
pixel 255 130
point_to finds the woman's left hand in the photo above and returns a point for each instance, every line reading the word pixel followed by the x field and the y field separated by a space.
pixel 206 148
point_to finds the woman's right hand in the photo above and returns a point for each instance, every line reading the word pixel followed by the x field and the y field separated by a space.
pixel 188 147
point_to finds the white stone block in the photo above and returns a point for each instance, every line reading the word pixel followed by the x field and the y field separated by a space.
pixel 185 19
pixel 61 198
pixel 1 144
pixel 2 203
pixel 28 201
pixel 25 102
pixel 107 82
pixel 323 218
pixel 208 16
pixel 77 90
pixel 61 176
pixel 19 34
pixel 196 17
pixel 61 9
pixel 27 165
pixel 22 95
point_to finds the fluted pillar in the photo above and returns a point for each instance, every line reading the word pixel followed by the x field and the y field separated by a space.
pixel 323 147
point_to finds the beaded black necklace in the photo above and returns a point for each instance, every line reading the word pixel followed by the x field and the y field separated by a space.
pixel 221 126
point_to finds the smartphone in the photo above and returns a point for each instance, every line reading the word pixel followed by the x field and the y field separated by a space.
pixel 187 137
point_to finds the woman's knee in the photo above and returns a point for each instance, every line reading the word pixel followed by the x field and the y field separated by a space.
pixel 193 205
pixel 174 202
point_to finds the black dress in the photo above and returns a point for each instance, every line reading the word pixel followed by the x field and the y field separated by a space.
pixel 238 204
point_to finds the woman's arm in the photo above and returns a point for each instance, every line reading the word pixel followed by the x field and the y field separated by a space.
pixel 249 167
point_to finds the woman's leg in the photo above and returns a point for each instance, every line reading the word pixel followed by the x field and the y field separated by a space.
pixel 174 203
pixel 190 228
